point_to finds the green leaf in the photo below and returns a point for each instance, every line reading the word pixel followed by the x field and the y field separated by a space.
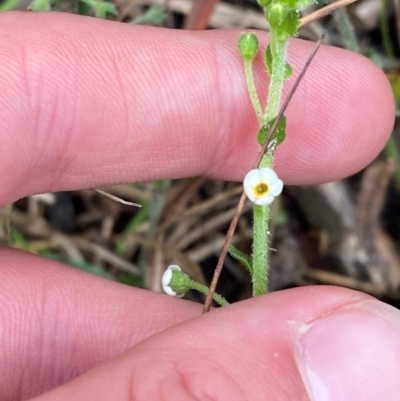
pixel 279 135
pixel 262 135
pixel 280 132
pixel 288 71
pixel 40 5
pixel 297 4
pixel 290 26
pixel 154 15
pixel 268 60
pixel 264 3
pixel 241 257
pixel 277 14
pixel 102 9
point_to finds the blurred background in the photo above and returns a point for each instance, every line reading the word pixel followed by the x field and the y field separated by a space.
pixel 344 233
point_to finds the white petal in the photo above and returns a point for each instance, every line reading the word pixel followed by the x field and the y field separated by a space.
pixel 252 178
pixel 276 187
pixel 166 279
pixel 268 175
pixel 264 200
pixel 264 175
pixel 169 291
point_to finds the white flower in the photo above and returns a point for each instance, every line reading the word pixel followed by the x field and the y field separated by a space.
pixel 262 185
pixel 166 280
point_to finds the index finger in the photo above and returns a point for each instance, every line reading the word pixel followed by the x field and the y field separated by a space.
pixel 87 103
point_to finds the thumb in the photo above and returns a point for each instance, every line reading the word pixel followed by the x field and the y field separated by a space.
pixel 318 343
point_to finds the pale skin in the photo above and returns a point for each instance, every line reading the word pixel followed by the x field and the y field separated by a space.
pixel 86 103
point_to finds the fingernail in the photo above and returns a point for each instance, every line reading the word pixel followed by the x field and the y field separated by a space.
pixel 351 354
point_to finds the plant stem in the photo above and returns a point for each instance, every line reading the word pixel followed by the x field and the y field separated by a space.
pixel 260 250
pixel 255 101
pixel 261 213
pixel 278 50
pixel 204 290
pixel 384 24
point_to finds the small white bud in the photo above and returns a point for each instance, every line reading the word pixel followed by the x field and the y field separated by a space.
pixel 262 185
pixel 166 280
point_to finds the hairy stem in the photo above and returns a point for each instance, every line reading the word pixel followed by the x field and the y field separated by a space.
pixel 255 101
pixel 204 290
pixel 261 213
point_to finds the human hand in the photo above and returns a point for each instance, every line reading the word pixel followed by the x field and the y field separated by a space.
pixel 87 103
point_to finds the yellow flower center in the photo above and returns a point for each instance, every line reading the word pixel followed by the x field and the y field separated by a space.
pixel 261 189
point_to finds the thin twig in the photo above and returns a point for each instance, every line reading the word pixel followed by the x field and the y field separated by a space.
pixel 232 227
pixel 322 12
pixel 116 198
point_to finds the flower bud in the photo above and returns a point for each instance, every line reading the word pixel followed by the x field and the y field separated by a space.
pixel 277 14
pixel 248 45
pixel 175 282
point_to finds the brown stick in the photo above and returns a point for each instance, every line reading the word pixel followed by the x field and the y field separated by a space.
pixel 200 14
pixel 322 12
pixel 232 227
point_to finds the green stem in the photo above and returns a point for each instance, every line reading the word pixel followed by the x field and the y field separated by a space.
pixel 255 101
pixel 194 285
pixel 278 50
pixel 384 23
pixel 261 213
pixel 260 250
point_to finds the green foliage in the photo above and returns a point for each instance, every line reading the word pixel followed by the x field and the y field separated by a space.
pixel 180 283
pixel 277 14
pixel 101 9
pixel 18 239
pixel 91 268
pixel 154 15
pixel 268 60
pixel 264 3
pixel 241 257
pixel 288 71
pixel 133 281
pixel 40 5
pixel 248 45
pixel 268 64
pixel 279 134
pixel 139 218
pixel 296 4
pixel 289 26
pixel 7 5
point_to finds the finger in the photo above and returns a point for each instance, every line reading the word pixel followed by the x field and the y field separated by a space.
pixel 87 102
pixel 58 322
pixel 304 344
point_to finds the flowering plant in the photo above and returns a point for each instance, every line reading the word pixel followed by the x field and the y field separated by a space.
pixel 261 184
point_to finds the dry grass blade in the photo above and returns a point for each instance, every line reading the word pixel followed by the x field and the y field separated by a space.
pixel 116 198
pixel 232 227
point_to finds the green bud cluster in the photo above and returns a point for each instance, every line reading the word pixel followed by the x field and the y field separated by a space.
pixel 283 15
